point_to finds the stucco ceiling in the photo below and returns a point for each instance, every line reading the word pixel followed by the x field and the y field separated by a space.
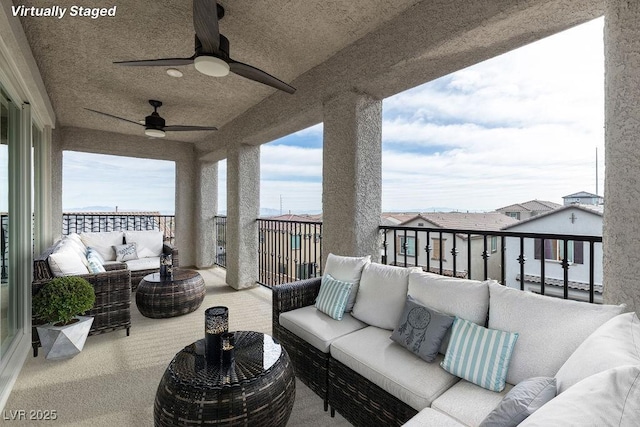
pixel 321 47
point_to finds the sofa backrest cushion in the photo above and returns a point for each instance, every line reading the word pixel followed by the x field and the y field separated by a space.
pixel 347 269
pixel 381 295
pixel 610 398
pixel 103 242
pixel 71 245
pixel 148 242
pixel 550 328
pixel 66 263
pixel 616 343
pixel 466 299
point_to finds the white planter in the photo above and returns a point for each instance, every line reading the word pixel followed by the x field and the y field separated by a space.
pixel 64 342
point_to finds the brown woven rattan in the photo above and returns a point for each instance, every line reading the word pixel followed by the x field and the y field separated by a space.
pixel 257 389
pixel 112 309
pixel 311 365
pixel 158 297
pixel 363 403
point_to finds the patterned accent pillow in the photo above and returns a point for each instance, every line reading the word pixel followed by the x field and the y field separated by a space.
pixel 95 261
pixel 333 296
pixel 126 252
pixel 479 355
pixel 421 329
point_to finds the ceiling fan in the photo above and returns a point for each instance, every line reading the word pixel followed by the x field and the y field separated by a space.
pixel 211 55
pixel 154 125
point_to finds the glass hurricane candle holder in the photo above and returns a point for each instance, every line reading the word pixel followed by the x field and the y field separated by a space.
pixel 216 323
pixel 228 344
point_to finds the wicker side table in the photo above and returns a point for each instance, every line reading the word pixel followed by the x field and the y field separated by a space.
pixel 257 389
pixel 158 297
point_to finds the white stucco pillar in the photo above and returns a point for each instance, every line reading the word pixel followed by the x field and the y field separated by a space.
pixel 207 207
pixel 56 184
pixel 621 230
pixel 186 208
pixel 243 207
pixel 351 175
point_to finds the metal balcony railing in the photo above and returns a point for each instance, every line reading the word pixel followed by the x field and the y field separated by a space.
pixel 96 222
pixel 4 247
pixel 221 241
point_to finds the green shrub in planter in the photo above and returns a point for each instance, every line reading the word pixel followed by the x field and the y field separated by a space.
pixel 60 300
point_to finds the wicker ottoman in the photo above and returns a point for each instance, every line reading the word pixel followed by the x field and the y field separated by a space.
pixel 158 297
pixel 257 389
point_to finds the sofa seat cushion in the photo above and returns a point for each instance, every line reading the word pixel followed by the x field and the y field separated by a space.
pixel 431 417
pixel 609 398
pixel 616 343
pixel 103 242
pixel 317 328
pixel 468 403
pixel 144 264
pixel 148 242
pixel 543 323
pixel 66 263
pixel 371 353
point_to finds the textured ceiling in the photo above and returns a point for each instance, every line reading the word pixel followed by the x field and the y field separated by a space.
pixel 284 38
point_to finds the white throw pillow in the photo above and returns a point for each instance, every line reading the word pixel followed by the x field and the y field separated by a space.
pixel 66 263
pixel 148 243
pixel 77 248
pixel 550 328
pixel 381 296
pixel 610 398
pixel 616 343
pixel 347 269
pixel 103 242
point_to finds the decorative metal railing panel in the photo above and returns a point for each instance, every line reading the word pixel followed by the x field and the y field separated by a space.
pixel 4 247
pixel 97 222
pixel 221 241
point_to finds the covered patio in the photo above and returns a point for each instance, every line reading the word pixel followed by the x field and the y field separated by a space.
pixel 343 59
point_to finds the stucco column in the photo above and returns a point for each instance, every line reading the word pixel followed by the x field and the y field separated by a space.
pixel 351 175
pixel 185 208
pixel 243 207
pixel 56 184
pixel 621 230
pixel 207 207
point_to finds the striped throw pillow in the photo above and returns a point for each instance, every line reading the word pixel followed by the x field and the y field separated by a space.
pixel 333 296
pixel 479 355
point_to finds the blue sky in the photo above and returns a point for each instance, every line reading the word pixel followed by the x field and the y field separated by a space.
pixel 521 126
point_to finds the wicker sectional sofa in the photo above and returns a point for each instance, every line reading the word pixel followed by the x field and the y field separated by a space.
pixel 371 380
pixel 113 287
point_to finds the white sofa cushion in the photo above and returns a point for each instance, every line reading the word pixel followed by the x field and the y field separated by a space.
pixel 148 242
pixel 371 353
pixel 143 264
pixel 317 328
pixel 550 328
pixel 381 295
pixel 103 242
pixel 616 343
pixel 431 417
pixel 609 398
pixel 66 263
pixel 467 299
pixel 469 403
pixel 347 269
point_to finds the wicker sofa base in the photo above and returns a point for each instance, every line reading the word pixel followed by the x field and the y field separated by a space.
pixel 363 403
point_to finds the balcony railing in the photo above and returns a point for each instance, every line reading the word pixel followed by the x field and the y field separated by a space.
pixel 4 247
pixel 96 222
pixel 221 241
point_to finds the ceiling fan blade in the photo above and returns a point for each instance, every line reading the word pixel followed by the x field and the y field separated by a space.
pixel 205 22
pixel 115 117
pixel 167 62
pixel 260 76
pixel 188 128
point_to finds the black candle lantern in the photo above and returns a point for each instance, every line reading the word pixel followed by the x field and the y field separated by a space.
pixel 216 323
pixel 166 266
pixel 228 343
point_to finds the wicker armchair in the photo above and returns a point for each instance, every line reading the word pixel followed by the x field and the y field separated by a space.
pixel 111 311
pixel 310 364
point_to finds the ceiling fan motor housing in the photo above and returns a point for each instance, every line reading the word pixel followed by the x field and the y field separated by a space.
pixel 154 121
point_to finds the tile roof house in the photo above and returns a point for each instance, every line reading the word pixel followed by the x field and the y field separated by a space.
pixel 528 209
pixel 583 198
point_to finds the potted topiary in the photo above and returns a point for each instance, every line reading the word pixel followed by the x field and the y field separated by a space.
pixel 59 302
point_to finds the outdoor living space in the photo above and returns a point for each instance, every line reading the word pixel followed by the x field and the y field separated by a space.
pixel 113 381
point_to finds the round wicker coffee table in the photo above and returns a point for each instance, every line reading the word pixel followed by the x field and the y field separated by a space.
pixel 159 297
pixel 256 389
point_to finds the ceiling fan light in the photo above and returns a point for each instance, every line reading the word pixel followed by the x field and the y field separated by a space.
pixel 156 133
pixel 211 66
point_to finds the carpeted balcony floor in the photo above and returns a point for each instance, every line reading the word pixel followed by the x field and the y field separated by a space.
pixel 114 380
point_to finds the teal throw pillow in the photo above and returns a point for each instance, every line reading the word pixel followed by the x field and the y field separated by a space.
pixel 95 261
pixel 333 296
pixel 479 355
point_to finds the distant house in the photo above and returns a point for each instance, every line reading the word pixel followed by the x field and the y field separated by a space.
pixel 583 198
pixel 528 209
pixel 430 249
pixel 575 220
